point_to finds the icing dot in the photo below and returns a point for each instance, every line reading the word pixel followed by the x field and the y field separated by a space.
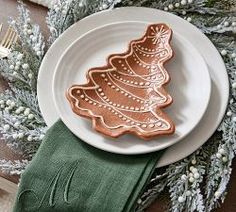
pixel 103 75
pixel 131 108
pixel 132 122
pixel 117 89
pixel 109 108
pixel 151 125
pixel 122 92
pixel 122 106
pixel 136 108
pixel 147 83
pixel 120 116
pixel 102 94
pixel 116 113
pixel 158 124
pixel 86 99
pixel 82 96
pixel 113 86
pixel 124 118
pixel 118 105
pixel 114 104
pixel 138 100
pixel 105 97
pixel 110 102
pixel 90 102
pixel 100 90
pixel 133 98
pixel 126 107
pixel 106 80
pixel 94 103
pixel 78 91
pixel 144 125
pixel 119 61
pixel 99 105
pixel 135 83
pixel 126 94
pixel 138 124
pixel 128 120
pixel 141 83
pixel 109 83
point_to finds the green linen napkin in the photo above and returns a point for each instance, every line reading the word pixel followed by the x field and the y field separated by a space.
pixel 67 174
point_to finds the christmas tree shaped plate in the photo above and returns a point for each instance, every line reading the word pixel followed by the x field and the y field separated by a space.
pixel 119 98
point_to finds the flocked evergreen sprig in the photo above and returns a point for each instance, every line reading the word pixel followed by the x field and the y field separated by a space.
pixel 196 183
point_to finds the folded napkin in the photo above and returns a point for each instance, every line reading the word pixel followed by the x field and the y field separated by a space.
pixel 67 174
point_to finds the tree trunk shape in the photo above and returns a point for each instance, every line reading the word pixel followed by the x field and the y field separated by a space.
pixel 126 95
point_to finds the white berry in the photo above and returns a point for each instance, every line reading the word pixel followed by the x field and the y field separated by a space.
pixel 14 73
pixel 30 75
pixel 11 67
pixel 27 111
pixel 183 2
pixel 189 19
pixel 191 168
pixel 234 119
pixel 234 85
pixel 226 23
pixel 193 161
pixel 233 23
pixel 20 135
pixel 190 1
pixel 183 12
pixel 38 53
pixel 16 68
pixel 229 113
pixel 224 159
pixel 1 102
pixel 29 138
pixel 217 194
pixel 19 56
pixel 30 116
pixel 166 8
pixel 233 55
pixel 183 177
pixel 177 4
pixel 18 63
pixel 25 66
pixel 171 6
pixel 29 31
pixel 181 199
pixel 8 102
pixel 6 127
pixel 196 175
pixel 194 170
pixel 222 151
pixel 223 52
pixel 219 26
pixel 191 179
pixel 218 155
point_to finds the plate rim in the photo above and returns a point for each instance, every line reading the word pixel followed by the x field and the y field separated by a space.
pixel 167 158
pixel 120 151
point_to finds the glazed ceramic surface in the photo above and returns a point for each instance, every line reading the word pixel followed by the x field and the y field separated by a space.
pixel 187 70
pixel 127 94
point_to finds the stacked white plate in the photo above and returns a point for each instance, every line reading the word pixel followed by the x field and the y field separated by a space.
pixel 199 81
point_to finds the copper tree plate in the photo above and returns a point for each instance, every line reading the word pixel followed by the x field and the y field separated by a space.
pixel 126 95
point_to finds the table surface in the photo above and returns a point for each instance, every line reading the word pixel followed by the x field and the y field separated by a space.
pixel 38 13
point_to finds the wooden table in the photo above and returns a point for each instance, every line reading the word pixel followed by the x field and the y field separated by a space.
pixel 38 13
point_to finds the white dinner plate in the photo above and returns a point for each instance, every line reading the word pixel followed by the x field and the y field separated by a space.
pixel 187 71
pixel 219 78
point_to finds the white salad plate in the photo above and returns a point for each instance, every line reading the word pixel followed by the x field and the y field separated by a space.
pixel 187 70
pixel 218 74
